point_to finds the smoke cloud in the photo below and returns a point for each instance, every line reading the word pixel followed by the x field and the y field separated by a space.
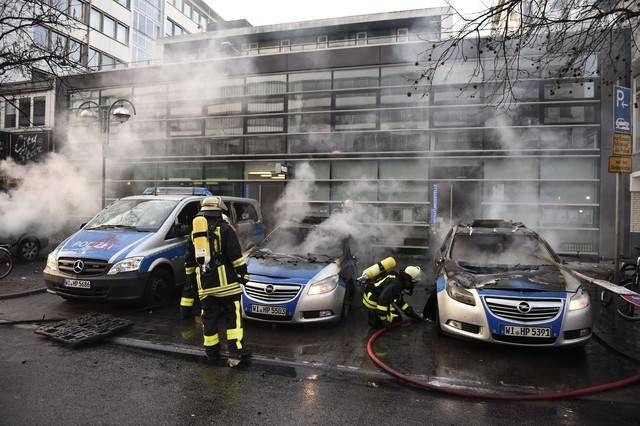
pixel 49 196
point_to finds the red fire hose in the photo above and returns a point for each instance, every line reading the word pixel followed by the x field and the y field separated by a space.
pixel 482 395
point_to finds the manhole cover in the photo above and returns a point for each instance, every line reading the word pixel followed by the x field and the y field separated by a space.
pixel 85 329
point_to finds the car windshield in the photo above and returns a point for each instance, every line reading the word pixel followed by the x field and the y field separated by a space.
pixel 136 215
pixel 497 249
pixel 308 242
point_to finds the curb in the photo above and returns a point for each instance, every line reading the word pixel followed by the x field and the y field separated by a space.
pixel 22 293
pixel 185 350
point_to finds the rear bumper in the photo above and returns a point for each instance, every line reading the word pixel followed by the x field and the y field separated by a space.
pixel 128 286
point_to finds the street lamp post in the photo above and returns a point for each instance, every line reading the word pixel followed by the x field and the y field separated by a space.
pixel 121 114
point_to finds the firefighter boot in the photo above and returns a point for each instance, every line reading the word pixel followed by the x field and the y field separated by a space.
pixel 237 356
pixel 213 357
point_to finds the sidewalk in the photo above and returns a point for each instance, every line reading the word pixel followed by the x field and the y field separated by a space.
pixel 24 277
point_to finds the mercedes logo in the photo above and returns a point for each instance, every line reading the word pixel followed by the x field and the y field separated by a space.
pixel 524 307
pixel 269 289
pixel 78 266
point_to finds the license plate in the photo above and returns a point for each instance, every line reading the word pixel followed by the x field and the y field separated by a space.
pixel 510 330
pixel 279 311
pixel 77 283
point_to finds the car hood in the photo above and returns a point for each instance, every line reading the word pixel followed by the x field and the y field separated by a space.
pixel 543 278
pixel 102 245
pixel 286 270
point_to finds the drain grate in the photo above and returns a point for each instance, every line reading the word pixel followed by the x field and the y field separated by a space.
pixel 85 329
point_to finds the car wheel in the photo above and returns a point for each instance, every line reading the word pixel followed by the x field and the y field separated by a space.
pixel 346 303
pixel 159 288
pixel 28 250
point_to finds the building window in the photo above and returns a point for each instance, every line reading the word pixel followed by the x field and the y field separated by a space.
pixel 285 45
pixel 124 3
pixel 39 110
pixel 173 29
pixel 109 26
pixel 322 41
pixel 24 109
pixel 95 20
pixel 10 114
pixel 403 35
pixel 361 38
pixel 76 10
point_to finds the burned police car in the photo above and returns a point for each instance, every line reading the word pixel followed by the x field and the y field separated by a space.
pixel 135 248
pixel 290 284
pixel 500 282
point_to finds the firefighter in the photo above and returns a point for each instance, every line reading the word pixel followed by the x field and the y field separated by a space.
pixel 384 298
pixel 215 268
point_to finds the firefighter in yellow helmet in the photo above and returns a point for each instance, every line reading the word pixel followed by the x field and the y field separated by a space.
pixel 214 265
pixel 384 298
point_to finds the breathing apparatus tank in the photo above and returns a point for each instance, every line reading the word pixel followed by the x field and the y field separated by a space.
pixel 201 240
pixel 384 265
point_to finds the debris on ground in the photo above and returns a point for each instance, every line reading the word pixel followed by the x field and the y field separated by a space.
pixel 85 329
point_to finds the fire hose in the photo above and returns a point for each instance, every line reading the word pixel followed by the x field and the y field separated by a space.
pixel 487 395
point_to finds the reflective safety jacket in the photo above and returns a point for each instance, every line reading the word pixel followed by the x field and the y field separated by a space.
pixel 385 298
pixel 227 268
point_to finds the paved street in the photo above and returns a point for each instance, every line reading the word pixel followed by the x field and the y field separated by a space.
pixel 310 375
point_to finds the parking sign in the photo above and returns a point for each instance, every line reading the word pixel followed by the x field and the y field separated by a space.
pixel 622 109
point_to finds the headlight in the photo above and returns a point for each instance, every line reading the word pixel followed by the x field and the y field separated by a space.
pixel 580 300
pixel 325 285
pixel 52 262
pixel 126 265
pixel 456 292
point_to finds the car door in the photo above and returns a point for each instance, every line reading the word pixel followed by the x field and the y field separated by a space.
pixel 178 235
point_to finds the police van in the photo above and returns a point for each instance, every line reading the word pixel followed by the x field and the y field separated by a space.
pixel 135 248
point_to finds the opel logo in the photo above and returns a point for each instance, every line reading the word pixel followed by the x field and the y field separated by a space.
pixel 78 266
pixel 524 307
pixel 269 289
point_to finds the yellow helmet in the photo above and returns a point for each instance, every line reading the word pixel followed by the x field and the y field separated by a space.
pixel 415 272
pixel 212 203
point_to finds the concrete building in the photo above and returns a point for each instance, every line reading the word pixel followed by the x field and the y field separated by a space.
pixel 233 105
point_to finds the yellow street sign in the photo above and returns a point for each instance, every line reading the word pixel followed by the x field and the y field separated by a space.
pixel 619 164
pixel 621 144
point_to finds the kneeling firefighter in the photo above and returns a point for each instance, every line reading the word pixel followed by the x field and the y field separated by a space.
pixel 214 265
pixel 384 297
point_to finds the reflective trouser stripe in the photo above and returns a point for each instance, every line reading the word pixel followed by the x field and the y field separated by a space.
pixel 190 270
pixel 405 307
pixel 238 262
pixel 187 301
pixel 236 333
pixel 211 340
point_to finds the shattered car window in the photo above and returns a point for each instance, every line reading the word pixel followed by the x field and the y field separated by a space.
pixel 137 215
pixel 500 249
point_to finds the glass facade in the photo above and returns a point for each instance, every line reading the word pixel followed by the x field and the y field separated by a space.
pixel 423 160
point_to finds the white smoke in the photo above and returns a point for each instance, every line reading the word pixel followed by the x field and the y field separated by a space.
pixel 361 222
pixel 49 196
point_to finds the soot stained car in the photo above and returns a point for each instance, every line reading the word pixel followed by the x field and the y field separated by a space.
pixel 500 282
pixel 293 287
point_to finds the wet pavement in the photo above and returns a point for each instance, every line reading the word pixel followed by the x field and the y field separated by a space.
pixel 417 349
